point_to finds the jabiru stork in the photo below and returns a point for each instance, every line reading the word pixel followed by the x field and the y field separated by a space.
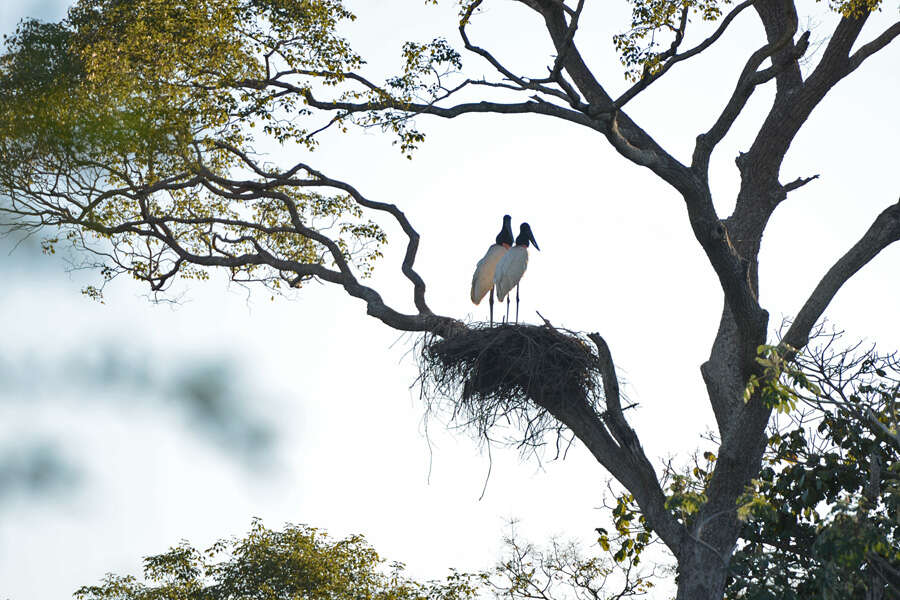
pixel 483 278
pixel 512 266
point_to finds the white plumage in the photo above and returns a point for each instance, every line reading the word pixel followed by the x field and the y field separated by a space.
pixel 512 266
pixel 510 270
pixel 483 278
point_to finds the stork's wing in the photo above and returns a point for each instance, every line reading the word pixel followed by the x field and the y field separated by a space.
pixel 483 278
pixel 510 270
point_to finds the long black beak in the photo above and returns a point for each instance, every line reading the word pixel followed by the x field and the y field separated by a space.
pixel 531 235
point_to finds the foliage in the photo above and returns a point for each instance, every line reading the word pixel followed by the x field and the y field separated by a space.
pixel 820 531
pixel 561 570
pixel 823 518
pixel 853 8
pixel 781 380
pixel 652 20
pixel 632 534
pixel 297 562
pixel 826 518
pixel 659 26
pixel 686 494
pixel 132 129
pixel 304 562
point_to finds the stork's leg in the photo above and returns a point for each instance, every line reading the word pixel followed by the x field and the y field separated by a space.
pixel 491 301
pixel 517 303
pixel 506 320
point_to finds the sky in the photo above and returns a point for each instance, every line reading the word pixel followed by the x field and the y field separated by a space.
pixel 128 426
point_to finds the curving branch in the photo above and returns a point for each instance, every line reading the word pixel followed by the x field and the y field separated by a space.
pixel 426 320
pixel 883 232
pixel 867 50
pixel 287 179
pixel 161 236
pixel 414 108
pixel 412 235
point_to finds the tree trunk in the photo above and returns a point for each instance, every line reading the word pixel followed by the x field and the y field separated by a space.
pixel 706 551
pixel 701 572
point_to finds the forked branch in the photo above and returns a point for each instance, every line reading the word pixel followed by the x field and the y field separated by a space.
pixel 747 83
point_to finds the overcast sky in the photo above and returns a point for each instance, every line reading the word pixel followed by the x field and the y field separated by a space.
pixel 157 422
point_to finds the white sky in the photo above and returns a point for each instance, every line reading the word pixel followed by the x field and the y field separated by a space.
pixel 350 455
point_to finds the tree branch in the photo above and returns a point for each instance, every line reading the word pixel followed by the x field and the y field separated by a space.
pixel 798 183
pixel 635 144
pixel 530 107
pixel 277 238
pixel 412 245
pixel 673 58
pixel 349 280
pixel 523 83
pixel 874 46
pixel 747 82
pixel 779 19
pixel 796 100
pixel 835 62
pixel 883 232
pixel 641 480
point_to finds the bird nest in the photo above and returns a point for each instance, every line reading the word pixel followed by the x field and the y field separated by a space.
pixel 514 375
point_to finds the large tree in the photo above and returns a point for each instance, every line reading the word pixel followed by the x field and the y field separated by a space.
pixel 137 131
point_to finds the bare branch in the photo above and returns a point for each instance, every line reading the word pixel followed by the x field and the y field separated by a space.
pixel 641 479
pixel 567 42
pixel 532 107
pixel 796 99
pixel 798 183
pixel 641 156
pixel 523 83
pixel 613 415
pixel 874 46
pixel 412 245
pixel 883 232
pixel 747 82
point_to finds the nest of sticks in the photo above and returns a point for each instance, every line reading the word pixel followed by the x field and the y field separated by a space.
pixel 509 375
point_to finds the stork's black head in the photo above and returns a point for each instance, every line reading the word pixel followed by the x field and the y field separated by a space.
pixel 525 236
pixel 505 236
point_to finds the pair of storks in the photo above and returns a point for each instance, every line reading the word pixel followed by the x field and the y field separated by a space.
pixel 503 266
